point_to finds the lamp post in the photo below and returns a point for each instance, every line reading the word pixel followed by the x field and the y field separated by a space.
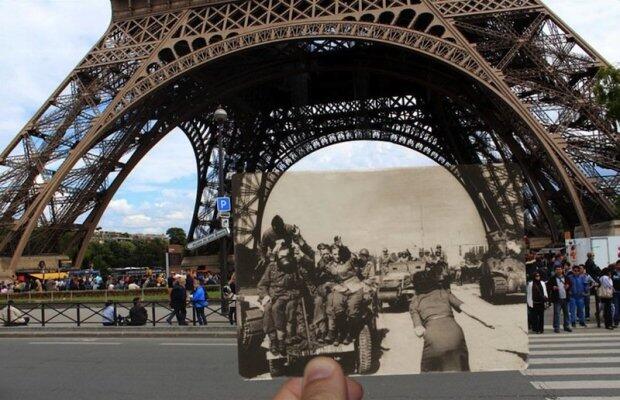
pixel 220 117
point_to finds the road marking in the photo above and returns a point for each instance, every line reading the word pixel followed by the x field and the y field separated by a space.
pixel 574 360
pixel 571 371
pixel 198 344
pixel 82 343
pixel 560 352
pixel 573 340
pixel 563 345
pixel 576 385
pixel 585 398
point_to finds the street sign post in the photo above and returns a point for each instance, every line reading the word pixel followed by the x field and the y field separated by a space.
pixel 212 237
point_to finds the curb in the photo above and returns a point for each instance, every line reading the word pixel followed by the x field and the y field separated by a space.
pixel 112 332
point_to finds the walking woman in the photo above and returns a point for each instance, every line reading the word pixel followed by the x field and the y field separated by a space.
pixel 444 342
pixel 606 294
pixel 536 299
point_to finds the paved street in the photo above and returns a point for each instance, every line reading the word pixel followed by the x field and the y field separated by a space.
pixel 163 368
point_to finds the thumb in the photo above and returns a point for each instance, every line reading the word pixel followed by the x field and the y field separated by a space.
pixel 324 380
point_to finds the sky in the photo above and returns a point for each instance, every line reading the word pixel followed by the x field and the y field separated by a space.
pixel 42 40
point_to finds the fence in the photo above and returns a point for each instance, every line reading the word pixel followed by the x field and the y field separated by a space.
pixel 214 292
pixel 80 314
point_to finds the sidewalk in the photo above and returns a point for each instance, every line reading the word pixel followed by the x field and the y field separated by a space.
pixel 212 331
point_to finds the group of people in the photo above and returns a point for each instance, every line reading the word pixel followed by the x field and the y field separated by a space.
pixel 304 301
pixel 570 289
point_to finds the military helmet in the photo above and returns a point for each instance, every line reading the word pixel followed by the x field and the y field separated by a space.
pixel 364 252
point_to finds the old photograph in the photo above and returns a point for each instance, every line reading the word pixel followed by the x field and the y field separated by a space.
pixel 389 272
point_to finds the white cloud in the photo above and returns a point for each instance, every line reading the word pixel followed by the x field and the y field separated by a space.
pixel 120 206
pixel 136 220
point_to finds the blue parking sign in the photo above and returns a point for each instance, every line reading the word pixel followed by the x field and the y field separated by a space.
pixel 223 205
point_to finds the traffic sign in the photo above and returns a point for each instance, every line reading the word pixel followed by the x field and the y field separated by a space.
pixel 223 204
pixel 225 223
pixel 212 237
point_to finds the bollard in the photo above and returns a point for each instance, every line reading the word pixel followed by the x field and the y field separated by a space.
pixel 153 312
pixel 42 314
pixel 79 322
pixel 8 322
pixel 194 316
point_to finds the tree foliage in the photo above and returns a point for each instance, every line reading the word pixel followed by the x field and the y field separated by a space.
pixel 177 236
pixel 135 253
pixel 607 90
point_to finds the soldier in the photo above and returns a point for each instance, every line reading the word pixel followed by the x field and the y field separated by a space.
pixel 323 283
pixel 364 265
pixel 345 299
pixel 385 261
pixel 280 231
pixel 279 292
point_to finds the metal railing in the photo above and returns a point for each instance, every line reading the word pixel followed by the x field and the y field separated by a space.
pixel 81 314
pixel 104 295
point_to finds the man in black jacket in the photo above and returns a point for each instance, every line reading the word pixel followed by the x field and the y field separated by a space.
pixel 137 314
pixel 558 288
pixel 178 302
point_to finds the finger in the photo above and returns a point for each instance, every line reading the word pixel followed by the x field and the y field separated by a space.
pixel 355 391
pixel 291 390
pixel 324 380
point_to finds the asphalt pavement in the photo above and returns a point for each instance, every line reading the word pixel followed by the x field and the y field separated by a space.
pixel 167 368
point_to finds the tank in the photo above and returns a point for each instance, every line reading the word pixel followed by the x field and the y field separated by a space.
pixel 501 277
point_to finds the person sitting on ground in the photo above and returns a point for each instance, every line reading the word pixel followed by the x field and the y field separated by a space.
pixel 12 316
pixel 137 314
pixel 108 314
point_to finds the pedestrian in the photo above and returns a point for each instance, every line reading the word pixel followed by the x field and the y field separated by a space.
pixel 536 299
pixel 445 348
pixel 108 315
pixel 189 283
pixel 557 290
pixel 616 281
pixel 178 302
pixel 606 294
pixel 199 301
pixel 12 316
pixel 137 314
pixel 578 292
pixel 231 296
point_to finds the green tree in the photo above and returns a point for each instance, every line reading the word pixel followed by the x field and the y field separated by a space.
pixel 177 236
pixel 607 90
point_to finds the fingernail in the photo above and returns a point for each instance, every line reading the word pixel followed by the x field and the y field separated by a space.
pixel 317 369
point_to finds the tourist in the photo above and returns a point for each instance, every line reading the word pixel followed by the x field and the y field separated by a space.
pixel 557 290
pixel 606 294
pixel 137 314
pixel 578 292
pixel 12 316
pixel 536 299
pixel 616 281
pixel 108 314
pixel 178 302
pixel 199 301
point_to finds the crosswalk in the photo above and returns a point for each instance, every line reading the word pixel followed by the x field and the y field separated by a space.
pixel 583 365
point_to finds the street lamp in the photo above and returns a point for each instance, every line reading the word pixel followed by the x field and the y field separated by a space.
pixel 220 117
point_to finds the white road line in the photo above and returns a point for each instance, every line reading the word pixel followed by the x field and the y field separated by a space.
pixel 563 345
pixel 198 344
pixel 560 352
pixel 585 342
pixel 552 334
pixel 574 360
pixel 571 371
pixel 82 343
pixel 586 398
pixel 576 385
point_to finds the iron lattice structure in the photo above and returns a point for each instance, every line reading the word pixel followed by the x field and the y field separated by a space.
pixel 462 81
